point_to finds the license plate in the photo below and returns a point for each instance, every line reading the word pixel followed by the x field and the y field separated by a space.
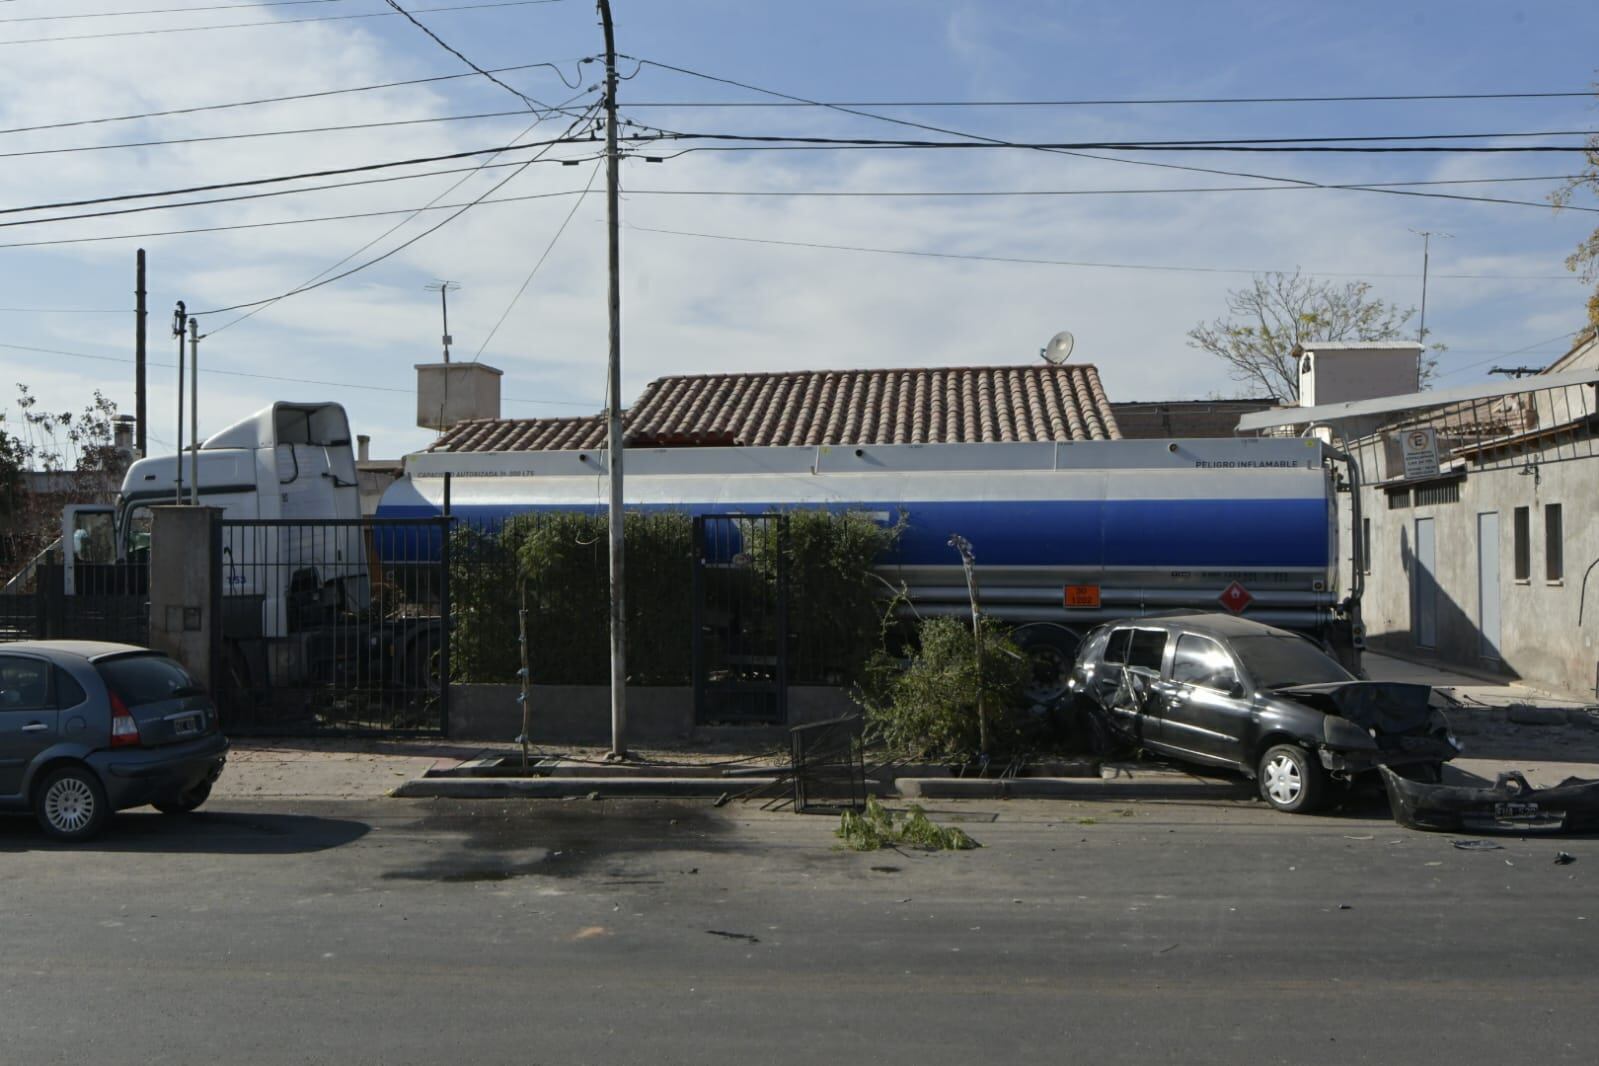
pixel 187 727
pixel 1517 810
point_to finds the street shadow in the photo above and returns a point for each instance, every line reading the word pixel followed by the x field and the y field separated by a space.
pixel 200 833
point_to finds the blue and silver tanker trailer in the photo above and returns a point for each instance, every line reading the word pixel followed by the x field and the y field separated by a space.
pixel 1065 535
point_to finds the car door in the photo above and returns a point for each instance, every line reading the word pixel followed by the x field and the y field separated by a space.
pixel 28 718
pixel 1205 709
pixel 1146 653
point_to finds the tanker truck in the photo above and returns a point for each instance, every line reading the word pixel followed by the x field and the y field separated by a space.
pixel 1065 535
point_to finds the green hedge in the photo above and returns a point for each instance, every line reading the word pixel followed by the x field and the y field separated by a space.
pixel 562 562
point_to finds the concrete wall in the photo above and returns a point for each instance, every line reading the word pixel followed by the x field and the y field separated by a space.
pixel 1541 641
pixel 1337 373
pixel 183 598
pixel 581 714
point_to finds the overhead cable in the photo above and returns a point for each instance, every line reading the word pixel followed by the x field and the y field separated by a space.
pixel 273 22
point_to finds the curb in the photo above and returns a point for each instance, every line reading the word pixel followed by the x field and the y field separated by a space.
pixel 1110 790
pixel 565 787
pixel 1075 788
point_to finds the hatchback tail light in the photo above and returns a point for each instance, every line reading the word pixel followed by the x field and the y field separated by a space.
pixel 124 730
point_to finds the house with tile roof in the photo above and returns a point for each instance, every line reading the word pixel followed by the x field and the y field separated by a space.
pixel 936 405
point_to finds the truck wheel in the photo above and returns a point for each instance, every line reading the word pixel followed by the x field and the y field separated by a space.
pixel 71 804
pixel 1291 780
pixel 1052 651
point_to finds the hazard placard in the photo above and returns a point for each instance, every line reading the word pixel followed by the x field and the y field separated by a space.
pixel 1235 598
pixel 1082 596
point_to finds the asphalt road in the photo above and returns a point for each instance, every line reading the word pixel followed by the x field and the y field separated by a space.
pixel 651 932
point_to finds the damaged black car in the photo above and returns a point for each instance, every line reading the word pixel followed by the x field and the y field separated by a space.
pixel 1224 691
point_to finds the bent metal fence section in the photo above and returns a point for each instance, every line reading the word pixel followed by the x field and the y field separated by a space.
pixel 334 626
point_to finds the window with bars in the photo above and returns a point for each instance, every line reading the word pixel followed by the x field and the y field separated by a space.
pixel 1554 545
pixel 1523 546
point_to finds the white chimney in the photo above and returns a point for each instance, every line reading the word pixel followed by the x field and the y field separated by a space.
pixel 447 393
pixel 363 447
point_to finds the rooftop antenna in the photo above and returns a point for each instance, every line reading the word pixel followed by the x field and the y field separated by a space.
pixel 1059 348
pixel 1426 236
pixel 444 288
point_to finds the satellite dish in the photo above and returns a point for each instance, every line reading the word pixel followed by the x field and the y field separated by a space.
pixel 1059 348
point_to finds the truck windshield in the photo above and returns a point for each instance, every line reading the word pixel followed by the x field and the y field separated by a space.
pixel 1277 662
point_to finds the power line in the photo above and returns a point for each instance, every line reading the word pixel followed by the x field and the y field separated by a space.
pixel 273 22
pixel 1029 261
pixel 279 179
pixel 957 133
pixel 1503 355
pixel 548 248
pixel 166 11
pixel 533 105
pixel 785 193
pixel 276 99
pixel 1091 102
pixel 252 312
pixel 270 377
pixel 67 310
pixel 409 241
pixel 758 142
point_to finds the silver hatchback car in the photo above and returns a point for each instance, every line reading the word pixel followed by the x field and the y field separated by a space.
pixel 87 729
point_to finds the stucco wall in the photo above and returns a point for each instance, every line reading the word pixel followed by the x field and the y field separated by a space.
pixel 1541 640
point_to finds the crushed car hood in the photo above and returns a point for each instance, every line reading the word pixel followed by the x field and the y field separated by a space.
pixel 1386 706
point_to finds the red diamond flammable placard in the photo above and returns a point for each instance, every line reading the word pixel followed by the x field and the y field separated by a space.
pixel 1235 598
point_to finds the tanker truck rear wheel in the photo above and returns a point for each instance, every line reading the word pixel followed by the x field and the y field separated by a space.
pixel 1052 651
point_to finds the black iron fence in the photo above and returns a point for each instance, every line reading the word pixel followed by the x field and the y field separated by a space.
pixel 334 626
pixel 740 618
pixel 91 601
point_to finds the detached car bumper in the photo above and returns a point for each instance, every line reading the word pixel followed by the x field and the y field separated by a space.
pixel 135 777
pixel 1571 806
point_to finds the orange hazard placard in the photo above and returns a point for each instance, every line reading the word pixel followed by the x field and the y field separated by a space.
pixel 1082 596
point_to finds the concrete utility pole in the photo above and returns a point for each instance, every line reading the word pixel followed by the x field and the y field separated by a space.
pixel 443 289
pixel 194 411
pixel 613 413
pixel 180 321
pixel 139 405
pixel 1426 254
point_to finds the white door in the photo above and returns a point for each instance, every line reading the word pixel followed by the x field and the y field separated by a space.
pixel 1425 586
pixel 1488 584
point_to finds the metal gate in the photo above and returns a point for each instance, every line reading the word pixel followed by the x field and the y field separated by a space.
pixel 334 626
pixel 740 619
pixel 102 601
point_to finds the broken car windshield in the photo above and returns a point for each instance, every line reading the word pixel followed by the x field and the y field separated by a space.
pixel 1275 662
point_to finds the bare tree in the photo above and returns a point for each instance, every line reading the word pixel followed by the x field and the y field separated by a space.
pixel 1585 260
pixel 1268 321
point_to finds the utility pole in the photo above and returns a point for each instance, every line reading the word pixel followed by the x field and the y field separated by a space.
pixel 194 411
pixel 139 405
pixel 180 320
pixel 613 412
pixel 1426 254
pixel 443 289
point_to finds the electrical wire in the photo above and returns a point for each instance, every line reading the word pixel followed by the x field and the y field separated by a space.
pixel 1092 102
pixel 280 99
pixel 252 312
pixel 166 11
pixel 957 133
pixel 409 241
pixel 230 228
pixel 279 179
pixel 74 149
pixel 267 377
pixel 783 193
pixel 67 310
pixel 548 248
pixel 758 142
pixel 1505 355
pixel 1029 261
pixel 532 104
pixel 273 22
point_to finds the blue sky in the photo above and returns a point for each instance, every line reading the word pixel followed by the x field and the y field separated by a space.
pixel 696 304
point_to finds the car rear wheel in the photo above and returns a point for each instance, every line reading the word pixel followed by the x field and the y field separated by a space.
pixel 187 802
pixel 71 804
pixel 1291 780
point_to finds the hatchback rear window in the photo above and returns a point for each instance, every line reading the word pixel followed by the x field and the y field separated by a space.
pixel 142 679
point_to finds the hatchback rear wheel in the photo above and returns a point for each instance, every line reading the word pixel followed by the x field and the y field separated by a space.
pixel 71 804
pixel 1291 780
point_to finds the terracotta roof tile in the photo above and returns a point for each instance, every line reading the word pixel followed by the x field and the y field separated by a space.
pixel 936 405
